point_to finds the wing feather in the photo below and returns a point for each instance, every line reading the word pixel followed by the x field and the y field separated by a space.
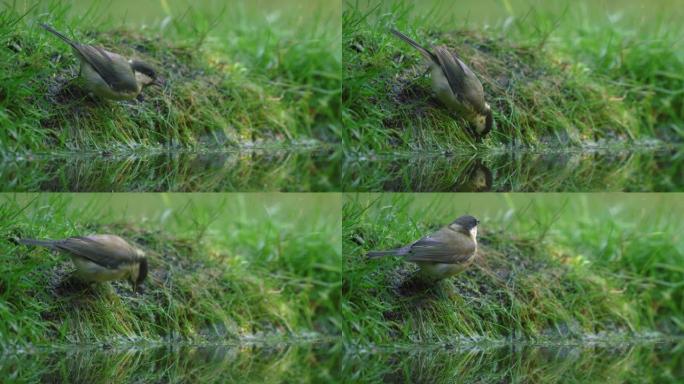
pixel 445 246
pixel 106 250
pixel 118 75
pixel 463 82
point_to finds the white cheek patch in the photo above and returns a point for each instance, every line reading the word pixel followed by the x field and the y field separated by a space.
pixel 473 232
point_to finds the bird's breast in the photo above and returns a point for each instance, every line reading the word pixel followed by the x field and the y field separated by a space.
pixel 443 91
pixel 438 271
pixel 89 271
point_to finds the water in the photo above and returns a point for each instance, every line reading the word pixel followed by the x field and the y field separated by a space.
pixel 618 362
pixel 650 362
pixel 251 363
pixel 175 171
pixel 649 170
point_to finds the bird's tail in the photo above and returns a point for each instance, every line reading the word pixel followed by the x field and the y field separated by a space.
pixel 58 34
pixel 40 243
pixel 391 252
pixel 424 51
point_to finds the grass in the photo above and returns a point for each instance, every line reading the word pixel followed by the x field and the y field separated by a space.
pixel 554 77
pixel 223 268
pixel 570 363
pixel 180 171
pixel 549 267
pixel 250 74
pixel 644 170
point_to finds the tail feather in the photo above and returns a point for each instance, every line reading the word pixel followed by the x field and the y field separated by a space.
pixel 424 51
pixel 391 252
pixel 40 243
pixel 58 34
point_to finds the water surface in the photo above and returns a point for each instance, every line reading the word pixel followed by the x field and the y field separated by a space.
pixel 251 363
pixel 645 362
pixel 175 171
pixel 596 170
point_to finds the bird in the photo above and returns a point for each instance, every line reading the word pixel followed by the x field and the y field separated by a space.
pixel 107 74
pixel 100 258
pixel 442 254
pixel 456 86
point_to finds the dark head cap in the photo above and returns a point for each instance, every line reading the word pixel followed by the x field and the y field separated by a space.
pixel 467 222
pixel 144 68
pixel 147 70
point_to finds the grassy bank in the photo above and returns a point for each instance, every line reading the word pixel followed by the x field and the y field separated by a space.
pixel 222 268
pixel 554 75
pixel 249 73
pixel 549 267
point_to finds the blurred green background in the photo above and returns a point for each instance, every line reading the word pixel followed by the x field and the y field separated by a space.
pixel 136 12
pixel 183 212
pixel 529 210
pixel 481 12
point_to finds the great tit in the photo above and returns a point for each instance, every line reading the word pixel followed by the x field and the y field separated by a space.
pixel 100 258
pixel 107 74
pixel 442 254
pixel 456 86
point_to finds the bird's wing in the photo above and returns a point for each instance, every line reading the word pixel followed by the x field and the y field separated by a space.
pixel 105 250
pixel 116 74
pixel 462 80
pixel 444 246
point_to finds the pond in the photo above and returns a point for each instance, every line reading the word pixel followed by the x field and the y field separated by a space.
pixel 175 171
pixel 646 170
pixel 641 362
pixel 574 362
pixel 170 363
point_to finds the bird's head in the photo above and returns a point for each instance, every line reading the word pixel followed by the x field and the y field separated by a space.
pixel 484 122
pixel 136 279
pixel 145 74
pixel 465 224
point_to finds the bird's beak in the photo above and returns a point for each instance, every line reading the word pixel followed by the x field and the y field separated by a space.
pixel 160 82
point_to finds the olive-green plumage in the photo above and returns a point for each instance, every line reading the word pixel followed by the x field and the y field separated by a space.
pixel 456 86
pixel 442 254
pixel 107 74
pixel 100 258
